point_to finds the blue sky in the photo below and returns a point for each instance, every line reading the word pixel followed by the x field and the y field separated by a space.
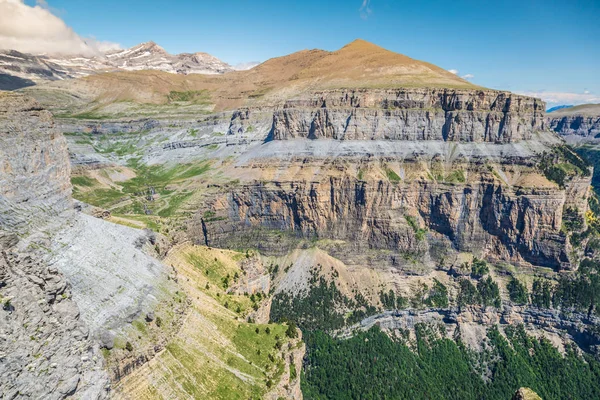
pixel 549 48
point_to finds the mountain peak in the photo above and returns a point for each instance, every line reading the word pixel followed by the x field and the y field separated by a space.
pixel 363 45
pixel 151 47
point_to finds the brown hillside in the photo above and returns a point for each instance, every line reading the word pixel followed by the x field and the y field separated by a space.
pixel 359 64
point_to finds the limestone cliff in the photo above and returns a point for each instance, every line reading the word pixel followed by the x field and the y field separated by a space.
pixel 34 164
pixel 45 347
pixel 410 114
pixel 391 175
pixel 581 120
pixel 488 218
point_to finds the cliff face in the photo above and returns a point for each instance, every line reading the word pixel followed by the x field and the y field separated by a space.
pixel 582 125
pixel 34 164
pixel 474 184
pixel 583 120
pixel 463 323
pixel 417 114
pixel 45 348
pixel 487 218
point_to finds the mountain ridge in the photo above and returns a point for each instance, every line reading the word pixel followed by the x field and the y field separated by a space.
pixel 37 68
pixel 359 65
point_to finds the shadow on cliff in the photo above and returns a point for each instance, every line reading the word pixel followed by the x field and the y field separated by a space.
pixel 10 82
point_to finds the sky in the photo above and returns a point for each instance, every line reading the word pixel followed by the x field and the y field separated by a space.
pixel 549 49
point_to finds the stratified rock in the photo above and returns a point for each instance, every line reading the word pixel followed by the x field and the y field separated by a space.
pixel 45 351
pixel 488 218
pixel 410 114
pixel 582 121
pixel 508 212
pixel 34 165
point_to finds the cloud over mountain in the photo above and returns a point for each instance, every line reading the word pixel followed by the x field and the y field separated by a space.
pixel 35 29
pixel 564 97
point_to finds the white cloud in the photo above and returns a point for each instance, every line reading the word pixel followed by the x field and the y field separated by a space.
pixel 560 98
pixel 246 66
pixel 103 46
pixel 365 9
pixel 37 30
pixel 468 76
pixel 453 71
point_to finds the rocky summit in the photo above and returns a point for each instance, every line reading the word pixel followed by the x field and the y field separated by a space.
pixel 18 70
pixel 328 224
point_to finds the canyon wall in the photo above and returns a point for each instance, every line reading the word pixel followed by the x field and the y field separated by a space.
pixel 382 220
pixel 396 220
pixel 579 121
pixel 410 114
pixel 587 126
pixel 45 347
pixel 34 164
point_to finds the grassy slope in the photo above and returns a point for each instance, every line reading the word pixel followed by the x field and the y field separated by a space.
pixel 162 190
pixel 216 354
pixel 583 109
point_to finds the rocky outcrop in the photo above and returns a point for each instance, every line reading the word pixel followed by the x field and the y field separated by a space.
pixel 583 121
pixel 45 351
pixel 34 164
pixel 108 127
pixel 288 386
pixel 410 114
pixel 572 326
pixel 581 125
pixel 526 394
pixel 45 348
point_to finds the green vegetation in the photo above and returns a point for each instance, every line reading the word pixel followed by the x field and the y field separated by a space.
pixel 82 181
pixel 563 164
pixel 438 296
pixel 200 97
pixel 456 176
pixel 572 219
pixel 479 268
pixel 485 294
pixel 322 306
pixel 467 294
pixel 361 174
pixel 370 365
pixel 541 293
pixel 391 300
pixel 153 190
pixel 419 232
pixel 517 291
pixel 392 175
pixel 488 292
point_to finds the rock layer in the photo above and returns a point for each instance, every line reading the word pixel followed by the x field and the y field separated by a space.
pixel 34 164
pixel 488 218
pixel 581 125
pixel 583 120
pixel 499 217
pixel 45 351
pixel 410 114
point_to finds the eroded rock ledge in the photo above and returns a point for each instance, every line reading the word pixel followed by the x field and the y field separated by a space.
pixel 410 114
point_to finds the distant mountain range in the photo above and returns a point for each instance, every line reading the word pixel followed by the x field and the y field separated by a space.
pixel 20 69
pixel 558 108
